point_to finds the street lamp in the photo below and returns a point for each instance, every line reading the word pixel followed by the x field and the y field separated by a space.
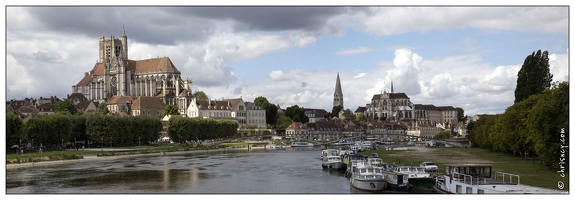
pixel 102 143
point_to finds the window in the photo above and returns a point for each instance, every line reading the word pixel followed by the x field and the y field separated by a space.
pixel 480 191
pixel 468 190
pixel 458 189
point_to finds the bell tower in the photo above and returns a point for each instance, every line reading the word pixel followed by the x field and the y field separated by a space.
pixel 337 95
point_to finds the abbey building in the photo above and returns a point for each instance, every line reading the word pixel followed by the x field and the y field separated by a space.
pixel 115 74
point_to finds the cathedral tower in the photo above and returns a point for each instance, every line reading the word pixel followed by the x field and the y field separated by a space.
pixel 338 95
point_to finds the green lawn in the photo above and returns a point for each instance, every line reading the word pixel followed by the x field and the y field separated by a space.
pixel 530 173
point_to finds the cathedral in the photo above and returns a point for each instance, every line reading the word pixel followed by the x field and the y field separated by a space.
pixel 115 74
pixel 391 106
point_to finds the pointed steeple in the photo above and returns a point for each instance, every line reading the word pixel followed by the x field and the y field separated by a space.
pixel 338 94
pixel 392 86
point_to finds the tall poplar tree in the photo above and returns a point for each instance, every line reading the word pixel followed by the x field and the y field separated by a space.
pixel 534 76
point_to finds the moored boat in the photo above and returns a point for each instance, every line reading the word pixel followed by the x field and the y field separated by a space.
pixel 301 144
pixel 395 180
pixel 331 159
pixel 417 177
pixel 477 179
pixel 366 177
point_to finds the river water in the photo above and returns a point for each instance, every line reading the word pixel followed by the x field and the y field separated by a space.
pixel 256 171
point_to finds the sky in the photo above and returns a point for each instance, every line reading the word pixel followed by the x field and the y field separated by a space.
pixel 460 56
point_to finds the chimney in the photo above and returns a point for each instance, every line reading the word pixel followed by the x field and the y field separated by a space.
pixel 85 74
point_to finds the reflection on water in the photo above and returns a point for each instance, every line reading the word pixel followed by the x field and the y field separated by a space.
pixel 272 171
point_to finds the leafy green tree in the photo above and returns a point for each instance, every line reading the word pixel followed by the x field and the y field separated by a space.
pixel 170 109
pixel 201 95
pixel 534 76
pixel 49 129
pixel 294 111
pixel 283 122
pixel 14 129
pixel 335 111
pixel 296 118
pixel 361 117
pixel 348 114
pixel 66 106
pixel 548 125
pixel 261 101
pixel 271 109
pixel 103 108
pixel 442 135
pixel 461 115
pixel 271 114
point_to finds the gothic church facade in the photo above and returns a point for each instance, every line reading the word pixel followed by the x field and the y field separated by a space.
pixel 115 74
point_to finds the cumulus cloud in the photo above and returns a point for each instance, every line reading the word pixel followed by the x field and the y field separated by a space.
pixel 558 66
pixel 352 51
pixel 278 75
pixel 405 74
pixel 503 78
pixel 440 86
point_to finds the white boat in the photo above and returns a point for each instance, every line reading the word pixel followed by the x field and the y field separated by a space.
pixel 395 180
pixel 331 159
pixel 477 179
pixel 275 146
pixel 417 176
pixel 365 177
pixel 376 162
pixel 301 144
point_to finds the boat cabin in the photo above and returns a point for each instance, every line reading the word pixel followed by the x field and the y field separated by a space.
pixel 474 170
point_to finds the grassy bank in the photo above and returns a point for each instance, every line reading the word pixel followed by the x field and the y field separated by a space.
pixel 531 173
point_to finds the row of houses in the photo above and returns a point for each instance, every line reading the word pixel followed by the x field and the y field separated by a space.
pixel 337 129
pixel 246 113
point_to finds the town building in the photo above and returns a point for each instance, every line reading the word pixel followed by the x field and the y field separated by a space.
pixel 255 115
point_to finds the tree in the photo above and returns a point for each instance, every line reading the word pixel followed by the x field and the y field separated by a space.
pixel 201 95
pixel 534 76
pixel 283 122
pixel 294 111
pixel 66 106
pixel 461 115
pixel 271 109
pixel 271 113
pixel 335 111
pixel 348 114
pixel 361 117
pixel 170 110
pixel 261 101
pixel 14 129
pixel 103 108
pixel 442 135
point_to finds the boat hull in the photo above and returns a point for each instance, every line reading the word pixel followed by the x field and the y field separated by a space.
pixel 422 183
pixel 333 165
pixel 373 185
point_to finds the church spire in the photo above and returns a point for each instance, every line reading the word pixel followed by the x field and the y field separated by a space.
pixel 392 86
pixel 338 94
